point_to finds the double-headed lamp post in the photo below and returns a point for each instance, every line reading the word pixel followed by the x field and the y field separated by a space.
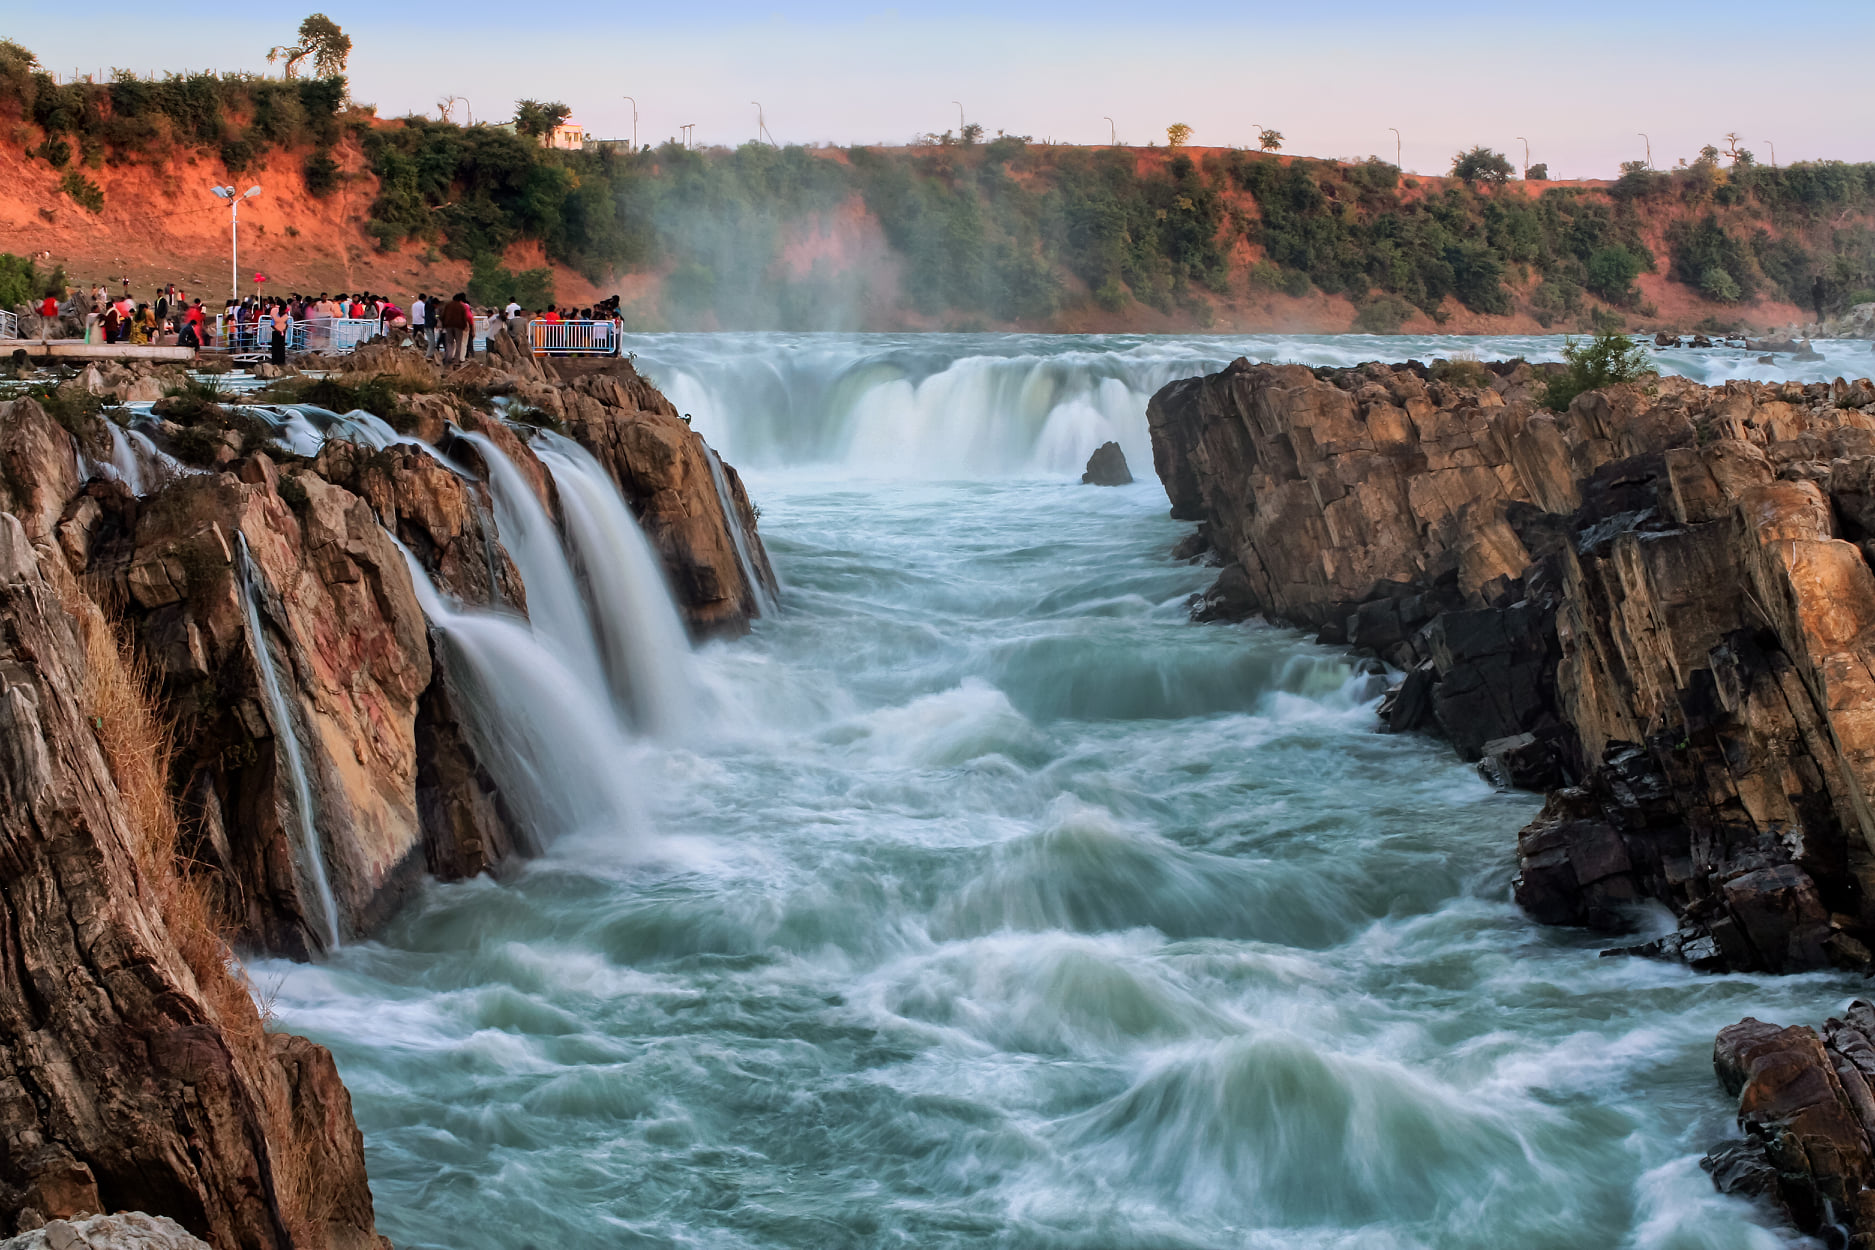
pixel 234 234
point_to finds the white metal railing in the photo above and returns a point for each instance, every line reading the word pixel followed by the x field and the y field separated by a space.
pixel 573 338
pixel 9 324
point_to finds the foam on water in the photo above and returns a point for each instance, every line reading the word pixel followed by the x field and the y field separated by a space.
pixel 973 405
pixel 997 904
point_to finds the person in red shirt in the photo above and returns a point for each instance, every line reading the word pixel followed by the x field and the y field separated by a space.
pixel 48 313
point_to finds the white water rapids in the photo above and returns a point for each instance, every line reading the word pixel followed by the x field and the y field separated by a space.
pixel 986 901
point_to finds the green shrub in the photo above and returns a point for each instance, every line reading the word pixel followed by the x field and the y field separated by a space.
pixel 321 173
pixel 82 191
pixel 1481 164
pixel 493 284
pixel 1716 284
pixel 21 281
pixel 1864 296
pixel 1383 314
pixel 1605 360
pixel 1555 299
pixel 1538 172
pixel 1611 273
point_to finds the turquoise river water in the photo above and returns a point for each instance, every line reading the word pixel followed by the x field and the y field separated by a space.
pixel 986 901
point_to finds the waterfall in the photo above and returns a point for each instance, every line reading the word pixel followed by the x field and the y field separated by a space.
pixel 124 459
pixel 554 604
pixel 732 517
pixel 309 851
pixel 548 735
pixel 642 641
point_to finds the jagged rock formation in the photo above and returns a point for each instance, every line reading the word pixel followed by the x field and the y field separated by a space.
pixel 134 1072
pixel 320 766
pixel 132 1230
pixel 1107 467
pixel 1653 604
pixel 1806 1106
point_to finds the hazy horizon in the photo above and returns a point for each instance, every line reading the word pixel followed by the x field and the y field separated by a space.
pixel 1581 88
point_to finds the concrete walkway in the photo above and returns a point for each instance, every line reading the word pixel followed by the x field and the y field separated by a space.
pixel 78 349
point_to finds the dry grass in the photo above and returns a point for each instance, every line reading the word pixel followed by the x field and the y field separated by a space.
pixel 120 698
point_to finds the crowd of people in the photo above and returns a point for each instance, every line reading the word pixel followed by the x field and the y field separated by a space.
pixel 444 327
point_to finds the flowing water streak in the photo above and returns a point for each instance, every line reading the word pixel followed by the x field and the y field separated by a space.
pixel 646 652
pixel 549 737
pixel 732 519
pixel 309 847
pixel 554 604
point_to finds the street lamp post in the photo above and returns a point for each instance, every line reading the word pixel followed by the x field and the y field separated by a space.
pixel 1113 133
pixel 1396 149
pixel 1650 148
pixel 234 234
pixel 960 118
pixel 761 125
pixel 1773 148
pixel 1526 155
pixel 634 104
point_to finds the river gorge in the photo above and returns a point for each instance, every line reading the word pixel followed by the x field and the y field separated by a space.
pixel 856 842
pixel 987 900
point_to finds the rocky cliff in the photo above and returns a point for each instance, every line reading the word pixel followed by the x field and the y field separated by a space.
pixel 257 741
pixel 1656 605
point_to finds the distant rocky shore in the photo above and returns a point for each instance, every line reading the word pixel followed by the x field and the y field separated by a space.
pixel 1657 607
pixel 244 584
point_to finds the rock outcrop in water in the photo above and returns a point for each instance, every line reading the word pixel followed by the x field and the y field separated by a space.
pixel 1806 1104
pixel 1657 605
pixel 1107 467
pixel 323 762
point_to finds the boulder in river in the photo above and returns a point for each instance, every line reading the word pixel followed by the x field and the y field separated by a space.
pixel 1807 1111
pixel 1107 467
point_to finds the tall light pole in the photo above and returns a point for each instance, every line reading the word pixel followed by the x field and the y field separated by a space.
pixel 1650 148
pixel 1113 133
pixel 761 124
pixel 634 122
pixel 234 234
pixel 1397 164
pixel 1773 148
pixel 960 118
pixel 1526 154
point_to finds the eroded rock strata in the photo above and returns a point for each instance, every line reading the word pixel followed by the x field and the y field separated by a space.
pixel 262 604
pixel 1806 1107
pixel 1657 606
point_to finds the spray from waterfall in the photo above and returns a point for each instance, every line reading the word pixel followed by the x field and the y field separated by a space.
pixel 308 849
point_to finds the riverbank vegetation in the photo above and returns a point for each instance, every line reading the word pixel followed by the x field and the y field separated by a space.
pixel 965 232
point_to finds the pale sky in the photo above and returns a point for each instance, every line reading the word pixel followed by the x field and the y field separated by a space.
pixel 1580 80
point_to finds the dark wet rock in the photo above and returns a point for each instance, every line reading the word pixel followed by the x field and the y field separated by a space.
pixel 1806 1111
pixel 1107 467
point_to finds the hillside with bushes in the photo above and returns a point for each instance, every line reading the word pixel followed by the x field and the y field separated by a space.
pixel 951 233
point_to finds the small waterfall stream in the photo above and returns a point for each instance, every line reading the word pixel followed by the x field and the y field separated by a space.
pixel 309 850
pixel 732 517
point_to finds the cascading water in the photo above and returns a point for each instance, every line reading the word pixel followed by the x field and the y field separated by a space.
pixel 1006 907
pixel 647 655
pixel 548 735
pixel 948 406
pixel 554 604
pixel 309 846
pixel 732 517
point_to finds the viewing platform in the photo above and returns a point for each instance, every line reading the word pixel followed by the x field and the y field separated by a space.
pixel 78 349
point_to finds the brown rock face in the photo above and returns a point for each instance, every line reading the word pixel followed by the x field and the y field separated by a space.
pixel 1654 604
pixel 1807 1111
pixel 130 1076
